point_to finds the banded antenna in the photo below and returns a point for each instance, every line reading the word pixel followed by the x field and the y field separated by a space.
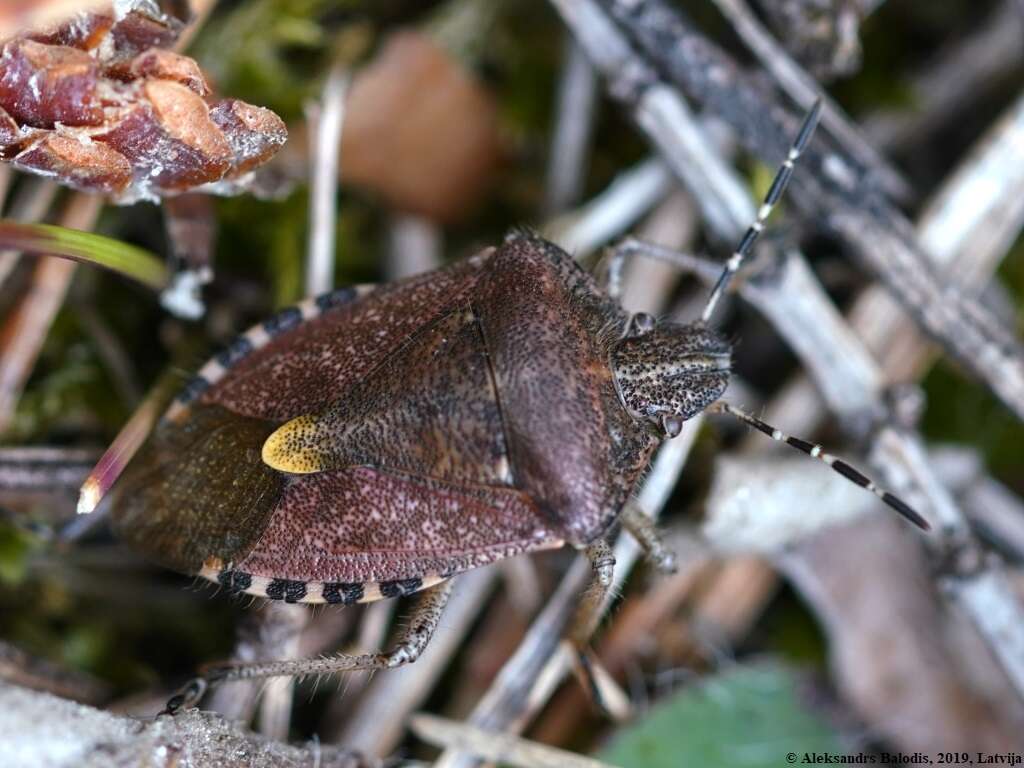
pixel 815 451
pixel 775 191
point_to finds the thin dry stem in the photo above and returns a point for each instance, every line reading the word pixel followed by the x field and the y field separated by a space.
pixel 416 246
pixel 128 441
pixel 570 142
pixel 607 215
pixel 275 710
pixel 496 747
pixel 325 124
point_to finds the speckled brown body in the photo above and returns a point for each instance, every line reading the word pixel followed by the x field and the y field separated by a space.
pixel 377 440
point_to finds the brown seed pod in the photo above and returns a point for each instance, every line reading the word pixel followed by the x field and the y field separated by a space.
pixel 99 105
pixel 16 16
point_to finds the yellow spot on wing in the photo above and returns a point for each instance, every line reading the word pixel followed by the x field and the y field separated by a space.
pixel 296 447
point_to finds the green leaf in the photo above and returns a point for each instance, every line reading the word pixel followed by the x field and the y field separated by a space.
pixel 48 240
pixel 747 717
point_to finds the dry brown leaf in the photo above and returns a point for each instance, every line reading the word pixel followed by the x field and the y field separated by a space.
pixel 420 130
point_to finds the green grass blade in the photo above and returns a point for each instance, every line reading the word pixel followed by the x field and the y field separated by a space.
pixel 47 240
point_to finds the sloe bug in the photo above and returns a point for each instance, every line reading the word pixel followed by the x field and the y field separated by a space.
pixel 376 441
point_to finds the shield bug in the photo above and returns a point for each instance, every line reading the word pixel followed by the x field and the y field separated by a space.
pixel 376 441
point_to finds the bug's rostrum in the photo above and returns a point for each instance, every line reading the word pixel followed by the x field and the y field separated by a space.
pixel 671 373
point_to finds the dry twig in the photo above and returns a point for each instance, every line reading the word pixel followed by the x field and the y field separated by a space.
pixel 496 747
pixel 577 97
pixel 326 120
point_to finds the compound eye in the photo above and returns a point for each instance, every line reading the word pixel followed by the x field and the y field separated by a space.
pixel 639 324
pixel 672 425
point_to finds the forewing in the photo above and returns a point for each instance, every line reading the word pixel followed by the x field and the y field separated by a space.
pixel 365 525
pixel 430 409
pixel 197 492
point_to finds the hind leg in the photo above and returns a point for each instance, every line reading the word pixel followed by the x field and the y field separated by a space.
pixel 410 645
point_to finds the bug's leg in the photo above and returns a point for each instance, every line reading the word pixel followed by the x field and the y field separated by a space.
pixel 609 276
pixel 602 561
pixel 410 645
pixel 639 324
pixel 690 263
pixel 815 451
pixel 642 528
pixel 608 271
pixel 588 614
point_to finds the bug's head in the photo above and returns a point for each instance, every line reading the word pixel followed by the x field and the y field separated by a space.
pixel 667 373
